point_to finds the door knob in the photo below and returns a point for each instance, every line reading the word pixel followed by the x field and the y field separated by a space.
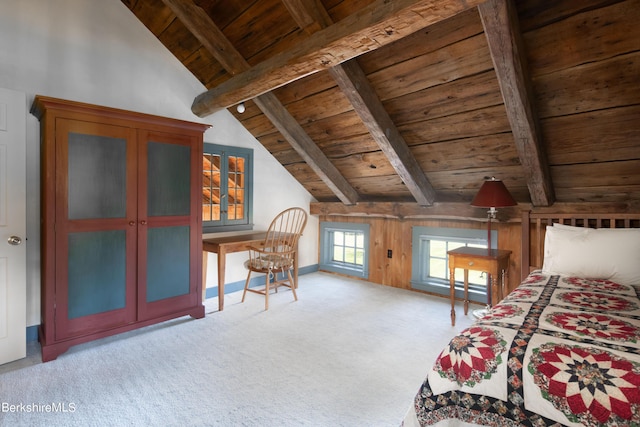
pixel 14 240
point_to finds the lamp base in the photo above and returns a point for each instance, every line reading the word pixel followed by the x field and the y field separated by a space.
pixel 482 312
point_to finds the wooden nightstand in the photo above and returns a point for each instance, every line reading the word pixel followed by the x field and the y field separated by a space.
pixel 495 262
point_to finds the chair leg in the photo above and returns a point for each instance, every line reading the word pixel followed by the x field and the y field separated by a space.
pixel 266 293
pixel 293 288
pixel 246 286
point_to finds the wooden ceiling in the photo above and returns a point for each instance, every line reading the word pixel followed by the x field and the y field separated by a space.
pixel 418 101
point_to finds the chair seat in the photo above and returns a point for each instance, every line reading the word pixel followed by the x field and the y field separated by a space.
pixel 269 262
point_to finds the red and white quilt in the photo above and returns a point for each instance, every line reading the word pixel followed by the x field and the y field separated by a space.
pixel 557 351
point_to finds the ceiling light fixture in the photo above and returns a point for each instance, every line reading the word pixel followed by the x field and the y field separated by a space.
pixel 240 108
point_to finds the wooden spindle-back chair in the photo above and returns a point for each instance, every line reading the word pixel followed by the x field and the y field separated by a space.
pixel 276 254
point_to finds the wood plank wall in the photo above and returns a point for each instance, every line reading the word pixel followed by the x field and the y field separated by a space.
pixel 395 234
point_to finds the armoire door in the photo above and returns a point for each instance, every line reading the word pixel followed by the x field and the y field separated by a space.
pixel 95 227
pixel 168 232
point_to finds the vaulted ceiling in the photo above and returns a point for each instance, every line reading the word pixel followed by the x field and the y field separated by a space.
pixel 418 101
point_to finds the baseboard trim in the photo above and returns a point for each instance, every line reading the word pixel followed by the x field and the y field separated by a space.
pixel 32 331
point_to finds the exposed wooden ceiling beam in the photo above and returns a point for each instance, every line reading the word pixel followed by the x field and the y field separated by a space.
pixel 358 89
pixel 212 38
pixel 500 22
pixel 380 23
pixel 312 16
pixel 465 211
pixel 306 147
pixel 406 210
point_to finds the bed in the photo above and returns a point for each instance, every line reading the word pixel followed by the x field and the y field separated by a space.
pixel 563 348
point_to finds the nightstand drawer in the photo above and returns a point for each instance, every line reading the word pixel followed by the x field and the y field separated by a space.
pixel 473 263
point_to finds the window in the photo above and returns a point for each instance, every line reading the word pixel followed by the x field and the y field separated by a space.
pixel 430 263
pixel 344 248
pixel 227 196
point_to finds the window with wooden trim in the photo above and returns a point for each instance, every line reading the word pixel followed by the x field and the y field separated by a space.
pixel 430 262
pixel 344 248
pixel 227 188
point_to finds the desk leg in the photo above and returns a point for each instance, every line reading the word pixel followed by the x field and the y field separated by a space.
pixel 221 266
pixel 205 258
pixel 466 292
pixel 452 290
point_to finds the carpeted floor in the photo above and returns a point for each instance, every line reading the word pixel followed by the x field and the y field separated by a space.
pixel 348 353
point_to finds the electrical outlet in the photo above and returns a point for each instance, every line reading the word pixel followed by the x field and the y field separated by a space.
pixel 389 253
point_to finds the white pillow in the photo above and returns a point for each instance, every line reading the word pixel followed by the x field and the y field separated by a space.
pixel 567 227
pixel 603 253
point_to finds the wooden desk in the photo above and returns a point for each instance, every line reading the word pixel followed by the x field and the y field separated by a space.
pixel 495 262
pixel 228 244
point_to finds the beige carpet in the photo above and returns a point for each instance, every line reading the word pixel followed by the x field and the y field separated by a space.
pixel 348 353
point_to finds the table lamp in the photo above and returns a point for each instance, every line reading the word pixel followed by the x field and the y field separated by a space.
pixel 492 194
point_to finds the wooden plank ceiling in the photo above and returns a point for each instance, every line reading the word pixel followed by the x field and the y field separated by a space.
pixel 415 102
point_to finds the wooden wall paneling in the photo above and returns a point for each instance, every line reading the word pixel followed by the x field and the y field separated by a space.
pixel 287 157
pixel 157 17
pixel 223 12
pixel 486 121
pixel 179 40
pixel 327 103
pixel 539 13
pixel 396 235
pixel 472 178
pixel 273 32
pixel 305 87
pixel 377 246
pixel 594 86
pixel 369 164
pixel 570 141
pixel 604 175
pixel 462 59
pixel 381 185
pixel 347 145
pixel 509 236
pixel 280 148
pixel 584 37
pixel 201 63
pixel 587 198
pixel 302 172
pixel 340 9
pixel 464 94
pixel 486 150
pixel 464 25
pixel 335 128
pixel 259 125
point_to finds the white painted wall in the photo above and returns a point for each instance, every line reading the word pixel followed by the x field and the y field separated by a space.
pixel 96 51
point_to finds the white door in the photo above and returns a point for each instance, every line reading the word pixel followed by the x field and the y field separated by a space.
pixel 13 254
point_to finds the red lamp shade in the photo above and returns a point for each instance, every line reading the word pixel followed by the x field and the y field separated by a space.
pixel 493 194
